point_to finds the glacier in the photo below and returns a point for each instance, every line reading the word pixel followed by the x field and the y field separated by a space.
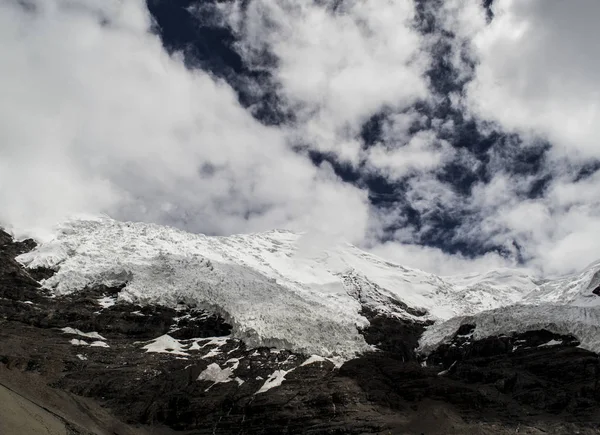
pixel 569 304
pixel 276 289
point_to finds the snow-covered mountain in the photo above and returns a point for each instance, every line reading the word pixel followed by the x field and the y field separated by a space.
pixel 500 344
pixel 276 289
pixel 567 305
pixel 575 289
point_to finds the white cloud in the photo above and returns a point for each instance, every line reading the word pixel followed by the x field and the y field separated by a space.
pixel 537 72
pixel 402 152
pixel 534 72
pixel 556 233
pixel 436 261
pixel 96 117
pixel 336 67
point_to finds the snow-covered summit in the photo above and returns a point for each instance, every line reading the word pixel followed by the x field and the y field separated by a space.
pixel 275 288
pixel 574 289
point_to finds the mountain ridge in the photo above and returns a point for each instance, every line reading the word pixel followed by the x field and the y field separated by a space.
pixel 274 289
pixel 118 367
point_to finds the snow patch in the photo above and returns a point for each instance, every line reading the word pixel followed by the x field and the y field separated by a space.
pixel 551 343
pixel 312 359
pixel 107 301
pixel 69 330
pixel 445 372
pixel 217 375
pixel 165 344
pixel 212 353
pixel 99 344
pixel 274 380
pixel 235 362
pixel 214 341
pixel 76 342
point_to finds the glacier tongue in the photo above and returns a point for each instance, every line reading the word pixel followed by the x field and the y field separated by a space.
pixel 273 287
pixel 581 322
pixel 566 305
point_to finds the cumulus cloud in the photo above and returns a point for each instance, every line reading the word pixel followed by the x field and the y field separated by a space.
pixel 401 153
pixel 556 232
pixel 436 261
pixel 530 71
pixel 537 72
pixel 335 63
pixel 96 117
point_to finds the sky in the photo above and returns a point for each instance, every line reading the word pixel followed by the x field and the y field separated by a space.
pixel 449 136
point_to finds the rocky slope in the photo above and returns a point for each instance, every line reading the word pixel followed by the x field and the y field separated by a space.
pixel 97 361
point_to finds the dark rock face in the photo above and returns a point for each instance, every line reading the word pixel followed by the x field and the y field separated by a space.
pixel 396 336
pixel 537 370
pixel 206 382
pixel 463 347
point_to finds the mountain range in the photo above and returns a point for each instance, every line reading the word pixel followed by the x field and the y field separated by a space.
pixel 279 332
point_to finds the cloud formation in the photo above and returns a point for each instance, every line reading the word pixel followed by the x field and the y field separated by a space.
pixel 537 72
pixel 336 64
pixel 97 117
pixel 534 73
